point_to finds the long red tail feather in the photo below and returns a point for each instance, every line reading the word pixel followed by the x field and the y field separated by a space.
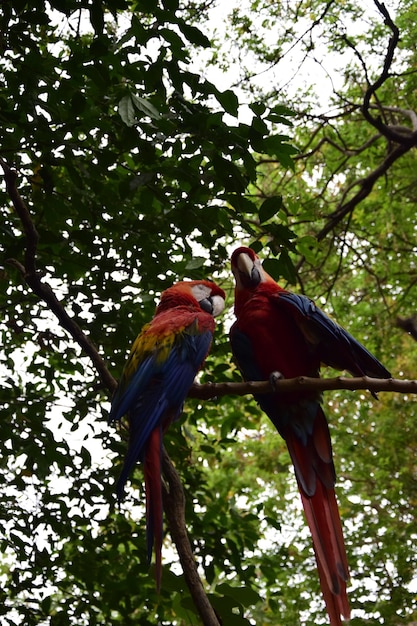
pixel 153 489
pixel 315 473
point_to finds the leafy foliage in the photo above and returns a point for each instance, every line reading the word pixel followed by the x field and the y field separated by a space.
pixel 139 169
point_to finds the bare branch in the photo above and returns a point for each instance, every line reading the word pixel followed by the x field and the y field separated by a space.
pixel 365 187
pixel 412 116
pixel 174 507
pixel 302 383
pixel 342 149
pixel 21 209
pixel 390 133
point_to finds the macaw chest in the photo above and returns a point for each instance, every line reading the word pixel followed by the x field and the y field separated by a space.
pixel 267 338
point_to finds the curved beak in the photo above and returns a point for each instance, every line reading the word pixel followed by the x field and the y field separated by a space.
pixel 247 272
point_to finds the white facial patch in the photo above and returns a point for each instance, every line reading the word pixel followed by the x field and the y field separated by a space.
pixel 218 305
pixel 202 292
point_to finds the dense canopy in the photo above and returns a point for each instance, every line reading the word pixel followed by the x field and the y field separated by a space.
pixel 140 142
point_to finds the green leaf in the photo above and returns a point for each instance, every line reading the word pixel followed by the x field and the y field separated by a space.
pixel 275 145
pixel 281 109
pixel 269 208
pixel 194 35
pixel 278 119
pixel 127 111
pixel 258 108
pixel 229 101
pixel 145 106
pixel 282 267
pixel 195 263
pixel 240 203
pixel 260 127
pixel 246 596
pixel 176 43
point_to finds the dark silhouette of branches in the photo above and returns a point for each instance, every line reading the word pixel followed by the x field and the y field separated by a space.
pixel 404 137
pixel 365 185
pixel 401 138
pixel 408 139
pixel 34 279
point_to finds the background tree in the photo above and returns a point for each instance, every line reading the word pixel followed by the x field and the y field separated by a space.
pixel 137 169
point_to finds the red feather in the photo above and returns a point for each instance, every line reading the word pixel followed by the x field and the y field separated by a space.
pixel 153 490
pixel 279 331
pixel 163 362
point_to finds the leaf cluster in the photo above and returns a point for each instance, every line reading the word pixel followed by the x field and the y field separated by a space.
pixel 138 169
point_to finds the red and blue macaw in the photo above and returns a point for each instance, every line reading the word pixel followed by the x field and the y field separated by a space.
pixel 277 331
pixel 160 370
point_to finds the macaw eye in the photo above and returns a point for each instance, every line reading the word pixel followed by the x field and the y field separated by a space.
pixel 212 304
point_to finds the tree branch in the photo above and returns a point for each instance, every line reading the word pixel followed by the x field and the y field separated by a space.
pixel 399 137
pixel 405 138
pixel 174 507
pixel 43 290
pixel 365 187
pixel 209 391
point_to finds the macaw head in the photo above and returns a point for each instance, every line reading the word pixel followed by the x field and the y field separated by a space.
pixel 203 293
pixel 209 296
pixel 247 269
pixel 249 274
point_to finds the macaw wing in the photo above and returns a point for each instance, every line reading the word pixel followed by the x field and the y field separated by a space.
pixel 157 391
pixel 334 345
pixel 131 388
pixel 243 352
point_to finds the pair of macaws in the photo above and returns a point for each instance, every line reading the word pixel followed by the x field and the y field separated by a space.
pixel 276 334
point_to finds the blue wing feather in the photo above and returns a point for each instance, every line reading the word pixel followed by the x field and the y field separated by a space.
pixel 156 393
pixel 244 354
pixel 335 346
pixel 125 396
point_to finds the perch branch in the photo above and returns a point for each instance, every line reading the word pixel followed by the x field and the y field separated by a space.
pixel 209 391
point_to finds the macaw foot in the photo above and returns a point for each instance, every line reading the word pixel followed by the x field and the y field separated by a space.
pixel 274 377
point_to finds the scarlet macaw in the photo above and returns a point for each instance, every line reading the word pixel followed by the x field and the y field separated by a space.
pixel 279 331
pixel 161 368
